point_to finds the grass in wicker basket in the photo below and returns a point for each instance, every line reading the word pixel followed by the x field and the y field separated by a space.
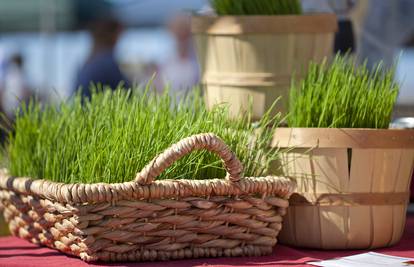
pixel 115 134
pixel 343 95
pixel 256 7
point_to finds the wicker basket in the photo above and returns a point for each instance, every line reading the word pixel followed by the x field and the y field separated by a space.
pixel 146 220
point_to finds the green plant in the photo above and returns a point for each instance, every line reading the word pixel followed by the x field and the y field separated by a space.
pixel 256 7
pixel 343 95
pixel 115 134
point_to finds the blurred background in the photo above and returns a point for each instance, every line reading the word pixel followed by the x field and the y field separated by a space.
pixel 46 45
pixel 53 39
pixel 50 48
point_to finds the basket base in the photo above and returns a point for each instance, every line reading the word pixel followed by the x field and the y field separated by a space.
pixel 189 253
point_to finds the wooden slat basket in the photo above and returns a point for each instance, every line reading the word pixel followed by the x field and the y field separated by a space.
pixel 146 220
pixel 252 58
pixel 352 186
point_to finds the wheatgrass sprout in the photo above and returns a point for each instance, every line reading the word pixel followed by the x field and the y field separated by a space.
pixel 341 94
pixel 256 7
pixel 115 134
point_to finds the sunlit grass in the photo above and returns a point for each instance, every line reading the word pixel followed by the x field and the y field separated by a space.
pixel 115 134
pixel 342 94
pixel 256 7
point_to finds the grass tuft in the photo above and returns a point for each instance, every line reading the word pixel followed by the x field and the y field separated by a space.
pixel 343 95
pixel 114 135
pixel 256 7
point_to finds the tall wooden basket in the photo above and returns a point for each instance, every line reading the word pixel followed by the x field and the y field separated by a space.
pixel 353 186
pixel 147 220
pixel 252 58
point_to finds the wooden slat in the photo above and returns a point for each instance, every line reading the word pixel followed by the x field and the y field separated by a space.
pixel 330 170
pixel 359 227
pixel 305 51
pixel 362 169
pixel 296 231
pixel 324 43
pixel 239 99
pixel 297 164
pixel 401 184
pixel 399 214
pixel 288 233
pixel 406 165
pixel 385 171
pixel 333 220
pixel 382 223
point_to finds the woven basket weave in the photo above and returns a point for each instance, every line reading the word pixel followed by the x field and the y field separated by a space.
pixel 146 220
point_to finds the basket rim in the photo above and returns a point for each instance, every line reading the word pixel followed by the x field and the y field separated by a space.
pixel 264 24
pixel 343 138
pixel 144 186
pixel 79 193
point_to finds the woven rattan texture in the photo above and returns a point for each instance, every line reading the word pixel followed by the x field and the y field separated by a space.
pixel 149 220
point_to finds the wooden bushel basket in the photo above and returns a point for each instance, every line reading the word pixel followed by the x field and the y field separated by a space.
pixel 353 186
pixel 146 220
pixel 252 58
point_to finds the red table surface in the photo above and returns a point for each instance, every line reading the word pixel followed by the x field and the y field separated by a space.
pixel 18 252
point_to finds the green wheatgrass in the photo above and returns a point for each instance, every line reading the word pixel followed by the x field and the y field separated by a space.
pixel 113 136
pixel 341 94
pixel 256 7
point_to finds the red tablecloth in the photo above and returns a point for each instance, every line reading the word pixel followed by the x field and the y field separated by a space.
pixel 17 252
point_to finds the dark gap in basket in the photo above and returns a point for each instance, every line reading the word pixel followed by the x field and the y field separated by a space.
pixel 349 150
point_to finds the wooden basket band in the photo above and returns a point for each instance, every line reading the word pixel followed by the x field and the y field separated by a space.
pixel 187 145
pixel 246 79
pixel 343 138
pixel 349 199
pixel 286 24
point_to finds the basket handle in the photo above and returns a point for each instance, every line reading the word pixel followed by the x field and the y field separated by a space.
pixel 206 141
